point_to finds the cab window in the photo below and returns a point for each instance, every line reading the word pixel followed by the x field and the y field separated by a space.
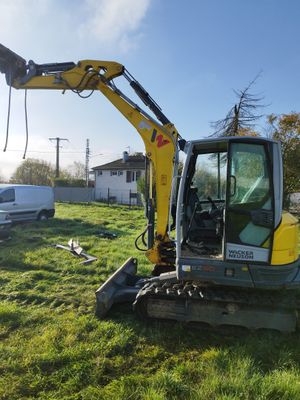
pixel 249 177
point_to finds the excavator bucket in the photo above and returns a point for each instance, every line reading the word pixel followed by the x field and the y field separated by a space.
pixel 122 286
pixel 11 64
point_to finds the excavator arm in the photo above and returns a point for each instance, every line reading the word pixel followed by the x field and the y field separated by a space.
pixel 159 136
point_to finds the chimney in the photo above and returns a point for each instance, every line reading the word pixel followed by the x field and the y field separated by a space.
pixel 125 157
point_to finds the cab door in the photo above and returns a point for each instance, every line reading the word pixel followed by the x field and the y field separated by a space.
pixel 249 217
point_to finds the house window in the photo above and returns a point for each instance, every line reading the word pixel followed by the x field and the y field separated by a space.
pixel 129 176
pixel 113 173
pixel 99 173
pixel 120 173
pixel 132 176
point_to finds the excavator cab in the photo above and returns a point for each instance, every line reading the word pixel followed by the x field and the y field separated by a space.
pixel 229 208
pixel 234 207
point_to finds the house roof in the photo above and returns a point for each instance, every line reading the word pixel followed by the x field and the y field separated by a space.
pixel 133 162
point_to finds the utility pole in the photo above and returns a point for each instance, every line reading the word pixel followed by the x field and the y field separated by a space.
pixel 87 161
pixel 58 140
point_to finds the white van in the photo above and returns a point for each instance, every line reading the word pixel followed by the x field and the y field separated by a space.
pixel 27 202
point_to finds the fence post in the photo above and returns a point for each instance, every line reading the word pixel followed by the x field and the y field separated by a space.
pixel 129 197
pixel 108 196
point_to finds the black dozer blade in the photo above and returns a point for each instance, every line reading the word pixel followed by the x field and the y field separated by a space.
pixel 119 288
pixel 11 64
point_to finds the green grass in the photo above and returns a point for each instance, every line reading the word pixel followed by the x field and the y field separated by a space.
pixel 53 347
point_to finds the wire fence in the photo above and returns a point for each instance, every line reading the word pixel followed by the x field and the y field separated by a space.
pixel 118 196
pixel 108 195
pixel 74 194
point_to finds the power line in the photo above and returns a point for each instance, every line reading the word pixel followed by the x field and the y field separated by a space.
pixel 47 152
pixel 105 153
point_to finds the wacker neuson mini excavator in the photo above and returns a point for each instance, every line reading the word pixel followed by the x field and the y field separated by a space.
pixel 233 259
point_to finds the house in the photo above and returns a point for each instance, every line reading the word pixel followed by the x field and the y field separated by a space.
pixel 116 181
pixel 294 206
pixel 295 198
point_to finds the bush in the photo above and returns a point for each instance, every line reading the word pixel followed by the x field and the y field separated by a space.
pixel 68 182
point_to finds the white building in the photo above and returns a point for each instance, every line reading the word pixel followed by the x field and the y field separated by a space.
pixel 295 198
pixel 117 181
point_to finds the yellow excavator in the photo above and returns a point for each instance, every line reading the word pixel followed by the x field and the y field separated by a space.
pixel 233 259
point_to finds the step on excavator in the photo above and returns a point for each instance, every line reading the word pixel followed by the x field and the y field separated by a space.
pixel 224 251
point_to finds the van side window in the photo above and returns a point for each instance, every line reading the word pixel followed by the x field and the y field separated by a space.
pixel 7 196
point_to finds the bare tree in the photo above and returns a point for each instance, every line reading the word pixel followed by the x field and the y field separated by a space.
pixel 241 118
pixel 76 170
pixel 33 172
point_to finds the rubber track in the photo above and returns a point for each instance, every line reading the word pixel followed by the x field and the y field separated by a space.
pixel 191 291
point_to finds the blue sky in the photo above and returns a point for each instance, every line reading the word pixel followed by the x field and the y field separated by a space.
pixel 188 55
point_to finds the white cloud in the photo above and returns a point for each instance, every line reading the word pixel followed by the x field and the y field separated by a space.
pixel 49 28
pixel 18 18
pixel 115 22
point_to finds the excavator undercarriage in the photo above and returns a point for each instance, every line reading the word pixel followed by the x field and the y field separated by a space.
pixel 216 307
pixel 167 298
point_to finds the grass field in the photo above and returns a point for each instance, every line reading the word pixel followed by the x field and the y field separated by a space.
pixel 53 347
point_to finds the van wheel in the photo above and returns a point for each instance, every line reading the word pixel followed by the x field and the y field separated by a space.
pixel 43 216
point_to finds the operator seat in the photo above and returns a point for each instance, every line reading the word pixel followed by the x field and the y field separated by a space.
pixel 202 226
